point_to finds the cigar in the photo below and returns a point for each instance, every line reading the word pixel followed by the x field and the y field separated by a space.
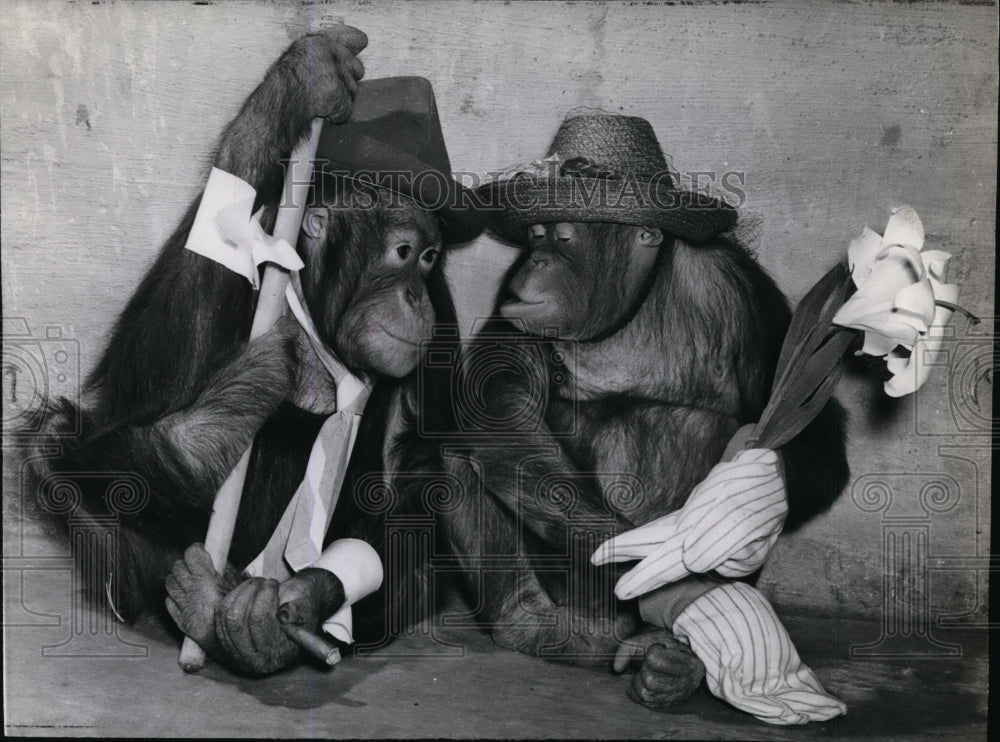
pixel 323 650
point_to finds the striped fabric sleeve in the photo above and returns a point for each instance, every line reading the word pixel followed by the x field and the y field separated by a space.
pixel 750 660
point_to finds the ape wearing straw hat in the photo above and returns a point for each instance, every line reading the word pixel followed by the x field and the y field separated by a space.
pixel 651 339
pixel 180 394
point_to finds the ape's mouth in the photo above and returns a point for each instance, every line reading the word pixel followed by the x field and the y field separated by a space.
pixel 406 341
pixel 518 307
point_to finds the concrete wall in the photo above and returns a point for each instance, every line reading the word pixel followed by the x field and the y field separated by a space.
pixel 832 112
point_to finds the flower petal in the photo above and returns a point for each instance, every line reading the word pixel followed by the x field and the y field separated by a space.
pixel 893 269
pixel 875 320
pixel 897 362
pixel 911 376
pixel 875 308
pixel 915 371
pixel 861 253
pixel 904 381
pixel 901 264
pixel 936 264
pixel 854 311
pixel 877 345
pixel 917 301
pixel 945 292
pixel 904 228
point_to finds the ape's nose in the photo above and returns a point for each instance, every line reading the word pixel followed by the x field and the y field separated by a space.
pixel 413 294
pixel 539 259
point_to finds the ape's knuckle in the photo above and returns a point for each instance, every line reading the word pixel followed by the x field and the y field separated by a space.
pixel 665 696
pixel 640 692
pixel 660 657
pixel 340 110
pixel 306 43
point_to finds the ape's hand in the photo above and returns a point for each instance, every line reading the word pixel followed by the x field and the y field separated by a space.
pixel 327 69
pixel 670 672
pixel 313 387
pixel 316 77
pixel 194 591
pixel 248 625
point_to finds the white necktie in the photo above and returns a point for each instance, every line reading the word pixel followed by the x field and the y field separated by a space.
pixel 297 541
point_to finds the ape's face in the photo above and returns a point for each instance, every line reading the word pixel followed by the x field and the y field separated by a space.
pixel 374 308
pixel 382 329
pixel 580 279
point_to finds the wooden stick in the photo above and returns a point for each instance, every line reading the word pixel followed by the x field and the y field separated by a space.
pixel 270 305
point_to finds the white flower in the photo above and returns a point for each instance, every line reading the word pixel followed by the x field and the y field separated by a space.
pixel 898 302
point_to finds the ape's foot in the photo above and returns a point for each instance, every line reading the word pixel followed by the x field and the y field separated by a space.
pixel 548 633
pixel 669 672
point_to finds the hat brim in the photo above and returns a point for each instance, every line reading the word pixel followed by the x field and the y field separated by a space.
pixel 524 200
pixel 388 167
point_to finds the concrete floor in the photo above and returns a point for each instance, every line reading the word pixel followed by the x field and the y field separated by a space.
pixel 69 673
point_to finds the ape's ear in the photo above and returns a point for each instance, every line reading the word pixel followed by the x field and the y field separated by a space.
pixel 649 237
pixel 314 222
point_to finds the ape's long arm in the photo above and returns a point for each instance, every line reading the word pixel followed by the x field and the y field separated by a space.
pixel 178 394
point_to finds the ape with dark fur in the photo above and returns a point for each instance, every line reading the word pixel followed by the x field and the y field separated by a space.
pixel 643 357
pixel 179 394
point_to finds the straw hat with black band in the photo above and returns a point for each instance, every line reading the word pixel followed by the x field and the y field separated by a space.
pixel 604 168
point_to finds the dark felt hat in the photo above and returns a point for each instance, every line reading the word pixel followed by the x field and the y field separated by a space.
pixel 393 140
pixel 604 168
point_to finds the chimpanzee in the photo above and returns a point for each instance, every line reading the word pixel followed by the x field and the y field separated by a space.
pixel 179 393
pixel 652 337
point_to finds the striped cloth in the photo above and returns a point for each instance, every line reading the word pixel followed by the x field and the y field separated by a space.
pixel 729 524
pixel 750 660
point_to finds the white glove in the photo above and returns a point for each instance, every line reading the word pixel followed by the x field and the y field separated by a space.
pixel 750 660
pixel 729 524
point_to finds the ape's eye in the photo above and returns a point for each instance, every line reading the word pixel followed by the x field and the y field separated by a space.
pixel 403 251
pixel 564 232
pixel 536 231
pixel 429 256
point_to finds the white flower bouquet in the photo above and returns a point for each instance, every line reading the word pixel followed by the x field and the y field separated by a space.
pixel 901 304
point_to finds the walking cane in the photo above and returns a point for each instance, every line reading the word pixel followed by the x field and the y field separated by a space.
pixel 270 306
